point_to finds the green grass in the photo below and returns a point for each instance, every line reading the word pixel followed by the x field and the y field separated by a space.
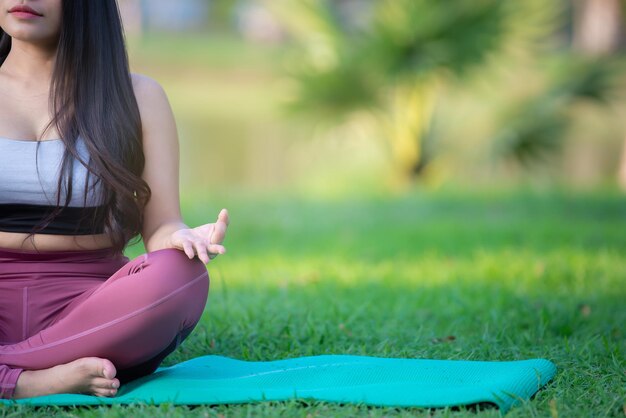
pixel 505 276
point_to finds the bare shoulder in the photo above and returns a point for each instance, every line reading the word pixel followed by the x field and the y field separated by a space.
pixel 147 88
pixel 156 113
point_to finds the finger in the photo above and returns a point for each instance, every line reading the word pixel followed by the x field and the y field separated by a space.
pixel 201 249
pixel 188 248
pixel 219 233
pixel 223 216
pixel 216 249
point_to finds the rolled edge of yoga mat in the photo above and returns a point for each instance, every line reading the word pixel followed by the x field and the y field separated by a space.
pixel 375 381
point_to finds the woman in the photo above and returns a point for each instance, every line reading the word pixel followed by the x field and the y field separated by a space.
pixel 88 160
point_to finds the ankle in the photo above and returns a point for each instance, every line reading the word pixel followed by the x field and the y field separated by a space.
pixel 23 386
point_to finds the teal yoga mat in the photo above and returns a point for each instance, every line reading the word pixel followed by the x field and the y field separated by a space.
pixel 367 380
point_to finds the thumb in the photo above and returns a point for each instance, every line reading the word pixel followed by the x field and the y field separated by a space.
pixel 219 232
pixel 223 216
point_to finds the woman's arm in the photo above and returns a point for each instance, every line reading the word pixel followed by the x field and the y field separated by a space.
pixel 162 216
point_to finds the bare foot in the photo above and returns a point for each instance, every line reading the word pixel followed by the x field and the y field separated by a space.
pixel 87 375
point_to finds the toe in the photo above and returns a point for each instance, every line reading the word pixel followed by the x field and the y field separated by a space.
pixel 105 392
pixel 108 369
pixel 102 383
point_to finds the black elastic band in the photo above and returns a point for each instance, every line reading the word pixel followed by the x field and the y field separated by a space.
pixel 18 217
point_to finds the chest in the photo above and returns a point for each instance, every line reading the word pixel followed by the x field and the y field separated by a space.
pixel 24 114
pixel 29 173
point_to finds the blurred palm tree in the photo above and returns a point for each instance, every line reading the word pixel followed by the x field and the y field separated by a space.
pixel 534 130
pixel 387 67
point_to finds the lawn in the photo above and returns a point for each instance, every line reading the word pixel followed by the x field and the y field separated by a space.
pixel 448 275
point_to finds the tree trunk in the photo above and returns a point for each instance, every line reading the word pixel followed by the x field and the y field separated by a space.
pixel 411 117
pixel 597 31
pixel 597 26
pixel 621 175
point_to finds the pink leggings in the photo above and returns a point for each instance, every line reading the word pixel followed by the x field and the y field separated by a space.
pixel 58 306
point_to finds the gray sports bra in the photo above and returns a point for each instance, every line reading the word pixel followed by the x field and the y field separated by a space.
pixel 27 196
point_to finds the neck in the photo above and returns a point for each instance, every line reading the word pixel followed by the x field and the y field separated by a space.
pixel 30 64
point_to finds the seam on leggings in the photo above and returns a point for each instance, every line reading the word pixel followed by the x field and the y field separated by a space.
pixel 25 313
pixel 107 324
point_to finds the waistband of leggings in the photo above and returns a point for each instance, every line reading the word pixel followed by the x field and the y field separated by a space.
pixel 13 254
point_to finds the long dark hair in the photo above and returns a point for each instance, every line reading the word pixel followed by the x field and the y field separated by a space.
pixel 91 96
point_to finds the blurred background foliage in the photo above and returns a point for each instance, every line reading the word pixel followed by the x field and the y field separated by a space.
pixel 328 97
pixel 399 171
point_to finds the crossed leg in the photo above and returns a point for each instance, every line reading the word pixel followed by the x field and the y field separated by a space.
pixel 134 319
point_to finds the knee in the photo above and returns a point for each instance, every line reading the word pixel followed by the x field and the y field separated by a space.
pixel 175 264
pixel 172 272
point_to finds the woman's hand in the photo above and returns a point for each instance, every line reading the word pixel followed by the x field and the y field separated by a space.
pixel 206 239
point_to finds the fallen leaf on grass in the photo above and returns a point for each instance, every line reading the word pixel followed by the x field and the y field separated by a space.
pixel 585 310
pixel 344 329
pixel 444 339
pixel 554 412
